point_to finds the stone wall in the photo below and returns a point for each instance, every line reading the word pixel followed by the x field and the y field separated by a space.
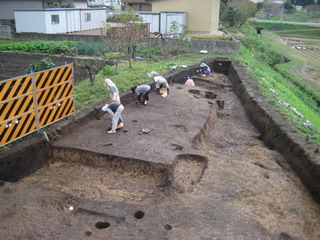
pixel 6 32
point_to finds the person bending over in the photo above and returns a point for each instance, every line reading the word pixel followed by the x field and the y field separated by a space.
pixel 142 91
pixel 160 83
pixel 113 91
pixel 115 110
pixel 204 70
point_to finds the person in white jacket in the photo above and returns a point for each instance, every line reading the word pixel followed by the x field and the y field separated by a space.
pixel 161 82
pixel 113 91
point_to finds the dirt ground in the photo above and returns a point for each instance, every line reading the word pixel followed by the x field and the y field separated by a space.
pixel 226 184
pixel 13 64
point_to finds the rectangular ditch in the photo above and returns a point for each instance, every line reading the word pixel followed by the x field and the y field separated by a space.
pixel 33 153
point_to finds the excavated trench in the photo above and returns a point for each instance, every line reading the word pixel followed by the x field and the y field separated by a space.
pixel 104 177
pixel 203 171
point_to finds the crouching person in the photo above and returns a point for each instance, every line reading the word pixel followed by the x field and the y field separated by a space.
pixel 160 83
pixel 142 92
pixel 204 70
pixel 115 110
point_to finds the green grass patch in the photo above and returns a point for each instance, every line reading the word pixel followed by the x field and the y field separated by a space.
pixel 301 33
pixel 279 26
pixel 298 16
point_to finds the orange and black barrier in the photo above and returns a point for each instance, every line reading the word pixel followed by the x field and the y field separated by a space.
pixel 33 101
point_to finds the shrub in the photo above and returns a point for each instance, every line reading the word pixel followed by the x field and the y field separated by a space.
pixel 49 47
pixel 43 64
pixel 91 49
pixel 113 18
pixel 109 70
pixel 149 53
pixel 69 51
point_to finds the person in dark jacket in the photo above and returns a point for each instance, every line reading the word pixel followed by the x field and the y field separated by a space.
pixel 115 110
pixel 142 91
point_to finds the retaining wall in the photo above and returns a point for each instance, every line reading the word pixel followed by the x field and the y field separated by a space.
pixel 221 46
pixel 6 32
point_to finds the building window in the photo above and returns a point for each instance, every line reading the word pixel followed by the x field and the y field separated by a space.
pixel 55 19
pixel 87 17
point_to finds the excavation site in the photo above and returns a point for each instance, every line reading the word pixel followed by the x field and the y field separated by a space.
pixel 210 161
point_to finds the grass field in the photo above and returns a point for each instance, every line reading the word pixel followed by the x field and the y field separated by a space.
pixel 303 53
pixel 314 33
pixel 284 83
pixel 298 16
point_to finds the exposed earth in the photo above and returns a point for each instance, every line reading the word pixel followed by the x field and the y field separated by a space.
pixel 202 172
pixel 16 64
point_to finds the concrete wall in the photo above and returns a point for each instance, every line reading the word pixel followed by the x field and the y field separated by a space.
pixel 7 7
pixel 224 47
pixel 212 46
pixel 202 16
pixel 6 32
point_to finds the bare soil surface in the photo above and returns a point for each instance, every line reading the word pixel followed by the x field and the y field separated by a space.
pixel 226 185
pixel 16 64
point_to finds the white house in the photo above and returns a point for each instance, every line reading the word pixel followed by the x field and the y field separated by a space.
pixel 59 20
pixel 8 6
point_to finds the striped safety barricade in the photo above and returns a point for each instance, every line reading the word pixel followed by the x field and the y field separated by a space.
pixel 31 102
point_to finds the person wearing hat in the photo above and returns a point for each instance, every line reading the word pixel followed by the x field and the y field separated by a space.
pixel 160 83
pixel 142 91
pixel 113 91
pixel 115 110
pixel 204 69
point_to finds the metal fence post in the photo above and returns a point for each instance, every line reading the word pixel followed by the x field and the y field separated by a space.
pixel 35 102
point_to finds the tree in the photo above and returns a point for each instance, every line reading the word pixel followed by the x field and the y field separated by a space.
pixel 178 37
pixel 315 8
pixel 63 4
pixel 230 15
pixel 270 10
pixel 246 8
pixel 55 5
pixel 67 4
pixel 131 31
pixel 288 6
